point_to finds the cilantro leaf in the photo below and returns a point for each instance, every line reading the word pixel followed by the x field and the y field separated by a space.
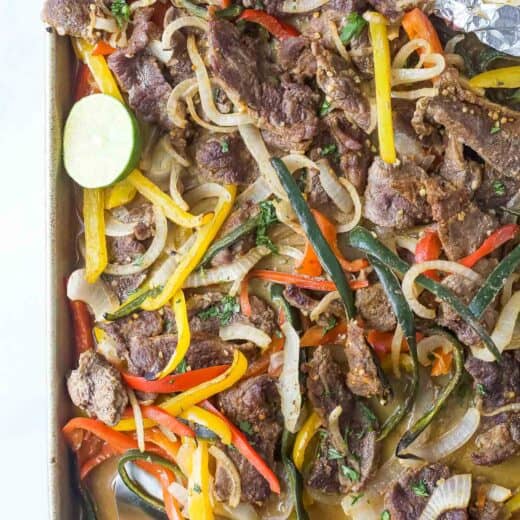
pixel 330 149
pixel 385 515
pixel 224 146
pixel 357 498
pixel 196 488
pixel 324 108
pixel 495 129
pixel 246 427
pixel 481 389
pixel 499 188
pixel 420 489
pixel 331 323
pixel 267 217
pixel 224 310
pixel 121 11
pixel 350 473
pixel 182 367
pixel 334 454
pixel 353 27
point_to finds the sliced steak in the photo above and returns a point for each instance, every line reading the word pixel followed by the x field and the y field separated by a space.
pixel 124 250
pixel 142 28
pixel 496 190
pixel 465 289
pixel 489 511
pixel 362 54
pixel 404 504
pixel 374 307
pixel 226 159
pixel 396 195
pixel 254 406
pixel 96 387
pixel 68 17
pixel 148 90
pixel 498 384
pixel 295 56
pixel 446 199
pixel 395 9
pixel 462 173
pixel 124 286
pixel 341 85
pixel 363 377
pixel 471 120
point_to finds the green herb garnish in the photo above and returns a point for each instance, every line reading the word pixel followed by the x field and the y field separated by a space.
pixel 224 146
pixel 246 427
pixel 182 367
pixel 350 473
pixel 224 310
pixel 329 149
pixel 331 323
pixel 334 454
pixel 481 389
pixel 357 498
pixel 385 515
pixel 121 11
pixel 353 27
pixel 499 188
pixel 495 130
pixel 196 488
pixel 420 489
pixel 324 108
pixel 267 217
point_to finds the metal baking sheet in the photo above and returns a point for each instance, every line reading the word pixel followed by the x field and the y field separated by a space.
pixel 60 254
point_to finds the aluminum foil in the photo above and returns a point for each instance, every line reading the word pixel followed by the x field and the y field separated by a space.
pixel 497 25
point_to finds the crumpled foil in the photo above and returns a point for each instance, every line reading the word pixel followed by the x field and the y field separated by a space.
pixel 497 25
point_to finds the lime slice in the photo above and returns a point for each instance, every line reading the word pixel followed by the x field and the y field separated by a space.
pixel 101 141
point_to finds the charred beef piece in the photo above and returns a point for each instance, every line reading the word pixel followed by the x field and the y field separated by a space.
pixel 490 511
pixel 303 301
pixel 396 195
pixel 124 286
pixel 96 387
pixel 374 307
pixel 465 289
pixel 71 17
pixel 148 90
pixel 363 377
pixel 461 172
pixel 226 160
pixel 446 199
pixel 286 110
pixel 326 390
pixel 318 198
pixel 143 27
pixel 254 406
pixel 124 250
pixel 340 85
pixel 471 119
pixel 395 9
pixel 361 54
pixel 403 504
pixel 295 56
pixel 498 384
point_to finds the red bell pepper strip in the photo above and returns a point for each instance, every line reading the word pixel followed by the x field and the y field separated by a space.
pixel 418 25
pixel 174 382
pixel 381 342
pixel 428 248
pixel 105 453
pixel 102 48
pixel 82 324
pixel 494 241
pixel 311 265
pixel 315 336
pixel 305 282
pixel 276 27
pixel 84 83
pixel 240 442
pixel 164 419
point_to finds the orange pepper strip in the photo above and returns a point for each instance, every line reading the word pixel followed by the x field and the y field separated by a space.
pixel 494 241
pixel 245 304
pixel 442 363
pixel 82 324
pixel 418 25
pixel 316 335
pixel 84 83
pixel 163 418
pixel 429 247
pixel 381 342
pixel 102 48
pixel 262 364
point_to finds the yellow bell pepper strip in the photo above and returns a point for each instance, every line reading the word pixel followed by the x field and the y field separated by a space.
pixel 120 193
pixel 96 257
pixel 199 501
pixel 158 197
pixel 205 235
pixel 304 436
pixel 185 455
pixel 212 422
pixel 506 77
pixel 183 333
pixel 185 400
pixel 382 69
pixel 512 505
pixel 98 67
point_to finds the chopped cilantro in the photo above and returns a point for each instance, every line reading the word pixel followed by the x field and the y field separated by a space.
pixel 267 217
pixel 196 488
pixel 368 413
pixel 499 188
pixel 350 473
pixel 246 427
pixel 324 108
pixel 420 489
pixel 224 146
pixel 331 323
pixel 223 310
pixel 330 149
pixel 182 367
pixel 334 454
pixel 385 515
pixel 481 389
pixel 495 129
pixel 357 498
pixel 138 261
pixel 121 11
pixel 352 28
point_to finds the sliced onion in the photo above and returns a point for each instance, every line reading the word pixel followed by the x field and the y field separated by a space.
pixel 440 265
pixel 256 192
pixel 337 42
pixel 275 362
pixel 301 6
pixel 497 493
pixel 401 58
pixel 456 60
pixel 167 433
pixel 406 242
pixel 105 24
pixel 97 295
pixel 107 347
pixel 180 493
pixel 156 48
pixel 291 252
pixel 416 93
pixel 504 329
pixel 243 511
pixel 175 176
pixel 453 493
pixel 255 144
pixel 367 507
pixel 452 43
pixel 289 382
pixel 335 434
pixel 207 190
pixel 507 291
pixel 178 157
pixel 227 464
pixel 161 162
pixel 436 63
pixel 395 351
pixel 179 23
pixel 356 200
pixel 116 228
pixel 184 88
pixel 334 189
pixel 206 93
pixel 323 305
pixel 427 345
pixel 228 272
pixel 151 254
pixel 162 272
pixel 205 124
pixel 138 4
pixel 452 440
pixel 246 332
pixel 285 214
pixel 138 418
pixel 511 407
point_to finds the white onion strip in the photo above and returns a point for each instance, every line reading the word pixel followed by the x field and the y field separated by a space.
pixel 141 3
pixel 334 189
pixel 498 493
pixel 356 200
pixel 416 93
pixel 195 116
pixel 453 493
pixel 437 65
pixel 337 42
pixel 504 329
pixel 395 350
pixel 301 6
pixel 151 254
pixel 138 418
pixel 116 228
pixel 175 175
pixel 511 407
pixel 408 49
pixel 207 190
pixel 206 93
pixel 184 88
pixel 450 441
pixel 227 464
pixel 507 291
pixel 179 23
pixel 323 305
pixel 289 382
pixel 256 192
pixel 246 332
pixel 292 252
pixel 440 265
pixel 335 434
